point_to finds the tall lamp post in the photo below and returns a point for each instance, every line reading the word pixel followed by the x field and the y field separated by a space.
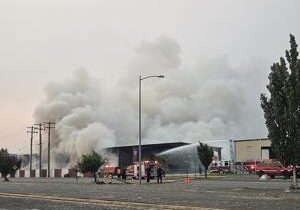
pixel 140 122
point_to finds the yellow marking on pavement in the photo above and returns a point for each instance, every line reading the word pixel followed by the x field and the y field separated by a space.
pixel 120 204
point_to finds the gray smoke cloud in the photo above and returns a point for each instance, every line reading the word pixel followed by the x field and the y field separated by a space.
pixel 74 106
pixel 204 100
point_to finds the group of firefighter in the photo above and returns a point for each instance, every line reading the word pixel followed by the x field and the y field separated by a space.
pixel 159 173
pixel 121 174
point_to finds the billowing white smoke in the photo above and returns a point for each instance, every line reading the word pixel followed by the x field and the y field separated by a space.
pixel 74 106
pixel 205 100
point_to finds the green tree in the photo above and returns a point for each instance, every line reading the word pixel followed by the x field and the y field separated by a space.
pixel 205 154
pixel 91 163
pixel 8 164
pixel 282 108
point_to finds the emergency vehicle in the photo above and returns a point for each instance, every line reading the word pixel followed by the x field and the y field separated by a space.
pixel 109 171
pixel 220 167
pixel 133 170
pixel 250 166
pixel 273 168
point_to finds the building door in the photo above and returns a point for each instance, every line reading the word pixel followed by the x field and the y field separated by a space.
pixel 265 153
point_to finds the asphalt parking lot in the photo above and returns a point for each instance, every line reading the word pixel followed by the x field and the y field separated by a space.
pixel 219 192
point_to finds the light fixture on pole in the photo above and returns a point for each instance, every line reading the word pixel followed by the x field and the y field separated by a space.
pixel 140 123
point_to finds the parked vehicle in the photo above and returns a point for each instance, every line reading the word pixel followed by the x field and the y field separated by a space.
pixel 273 168
pixel 219 167
pixel 108 171
pixel 219 170
pixel 250 166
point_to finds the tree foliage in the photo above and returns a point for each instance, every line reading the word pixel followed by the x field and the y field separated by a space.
pixel 282 107
pixel 8 163
pixel 91 163
pixel 205 154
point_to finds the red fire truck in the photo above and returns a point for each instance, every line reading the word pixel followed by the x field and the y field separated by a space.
pixel 109 171
pixel 273 168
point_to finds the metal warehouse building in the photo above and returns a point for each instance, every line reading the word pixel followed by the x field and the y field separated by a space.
pixel 126 155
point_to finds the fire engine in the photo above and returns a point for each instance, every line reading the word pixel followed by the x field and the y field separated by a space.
pixel 133 170
pixel 273 168
pixel 108 171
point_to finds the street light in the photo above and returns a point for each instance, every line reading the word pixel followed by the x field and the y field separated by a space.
pixel 140 123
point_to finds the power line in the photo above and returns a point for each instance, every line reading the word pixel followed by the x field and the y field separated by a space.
pixel 11 133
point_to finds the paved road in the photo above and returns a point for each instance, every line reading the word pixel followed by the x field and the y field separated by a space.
pixel 231 192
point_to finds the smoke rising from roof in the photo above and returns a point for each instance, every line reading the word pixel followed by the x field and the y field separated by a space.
pixel 204 100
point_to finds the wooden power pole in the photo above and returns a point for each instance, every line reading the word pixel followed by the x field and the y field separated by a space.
pixel 49 126
pixel 40 144
pixel 31 131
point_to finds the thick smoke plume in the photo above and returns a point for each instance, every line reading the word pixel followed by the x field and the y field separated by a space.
pixel 204 100
pixel 74 106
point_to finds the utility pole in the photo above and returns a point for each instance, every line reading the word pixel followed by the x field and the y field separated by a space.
pixel 49 129
pixel 40 135
pixel 31 131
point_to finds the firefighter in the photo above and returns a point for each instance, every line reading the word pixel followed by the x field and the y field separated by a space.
pixel 148 173
pixel 119 173
pixel 123 174
pixel 159 173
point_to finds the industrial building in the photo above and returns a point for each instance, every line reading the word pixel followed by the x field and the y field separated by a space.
pixel 253 149
pixel 126 155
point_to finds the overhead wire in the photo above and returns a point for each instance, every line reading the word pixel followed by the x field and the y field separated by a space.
pixel 11 133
